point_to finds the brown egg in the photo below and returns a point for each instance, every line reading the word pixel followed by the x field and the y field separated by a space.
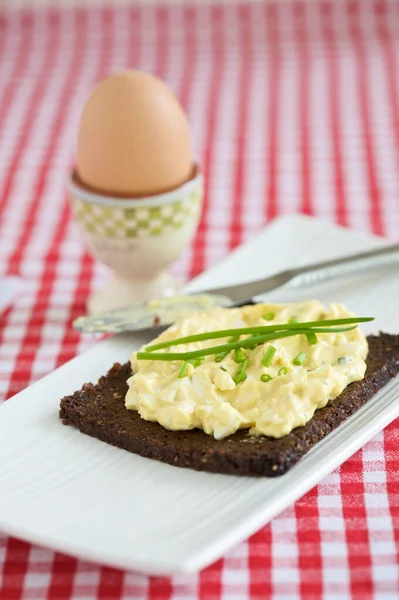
pixel 134 138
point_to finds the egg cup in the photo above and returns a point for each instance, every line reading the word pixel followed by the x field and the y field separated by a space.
pixel 138 238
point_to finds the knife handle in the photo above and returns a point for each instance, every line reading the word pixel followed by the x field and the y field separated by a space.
pixel 339 267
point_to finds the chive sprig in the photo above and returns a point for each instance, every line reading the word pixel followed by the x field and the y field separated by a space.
pixel 241 375
pixel 259 330
pixel 256 336
pixel 224 349
pixel 268 357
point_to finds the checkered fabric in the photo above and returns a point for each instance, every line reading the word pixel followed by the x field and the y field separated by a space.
pixel 120 222
pixel 294 107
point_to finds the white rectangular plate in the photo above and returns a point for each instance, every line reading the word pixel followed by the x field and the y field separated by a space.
pixel 75 494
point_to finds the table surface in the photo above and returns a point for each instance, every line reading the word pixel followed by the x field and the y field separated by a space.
pixel 294 108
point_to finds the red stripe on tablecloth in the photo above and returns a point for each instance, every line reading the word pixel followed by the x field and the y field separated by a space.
pixel 135 38
pixel 189 71
pixel 334 96
pixel 391 451
pixel 260 564
pixel 210 583
pixel 363 90
pixel 301 38
pixel 111 583
pixel 198 260
pixel 159 588
pixel 244 83
pixel 190 56
pixel 162 43
pixel 356 530
pixel 309 545
pixel 391 65
pixel 274 92
pixel 63 569
pixel 26 29
pixel 15 567
pixel 37 97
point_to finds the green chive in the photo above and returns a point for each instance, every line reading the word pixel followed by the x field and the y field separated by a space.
pixel 238 356
pixel 219 357
pixel 299 359
pixel 223 369
pixel 268 357
pixel 233 338
pixel 211 335
pixel 224 349
pixel 183 370
pixel 312 338
pixel 222 355
pixel 252 346
pixel 266 377
pixel 241 376
pixel 292 321
pixel 282 371
pixel 268 316
pixel 196 362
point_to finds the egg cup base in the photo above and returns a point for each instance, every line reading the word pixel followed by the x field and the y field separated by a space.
pixel 119 292
pixel 138 239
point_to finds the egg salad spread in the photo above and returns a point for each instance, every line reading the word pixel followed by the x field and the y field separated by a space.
pixel 269 388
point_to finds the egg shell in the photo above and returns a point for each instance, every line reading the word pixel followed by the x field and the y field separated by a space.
pixel 134 138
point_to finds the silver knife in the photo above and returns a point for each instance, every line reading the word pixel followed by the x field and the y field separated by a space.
pixel 163 312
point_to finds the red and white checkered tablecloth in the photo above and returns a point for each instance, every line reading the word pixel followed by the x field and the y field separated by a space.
pixel 294 107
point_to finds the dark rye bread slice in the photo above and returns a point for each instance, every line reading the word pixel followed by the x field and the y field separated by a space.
pixel 99 411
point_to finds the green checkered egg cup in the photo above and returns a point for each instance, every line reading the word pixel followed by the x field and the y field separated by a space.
pixel 131 223
pixel 138 238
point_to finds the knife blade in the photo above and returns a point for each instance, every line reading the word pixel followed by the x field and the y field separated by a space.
pixel 163 312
